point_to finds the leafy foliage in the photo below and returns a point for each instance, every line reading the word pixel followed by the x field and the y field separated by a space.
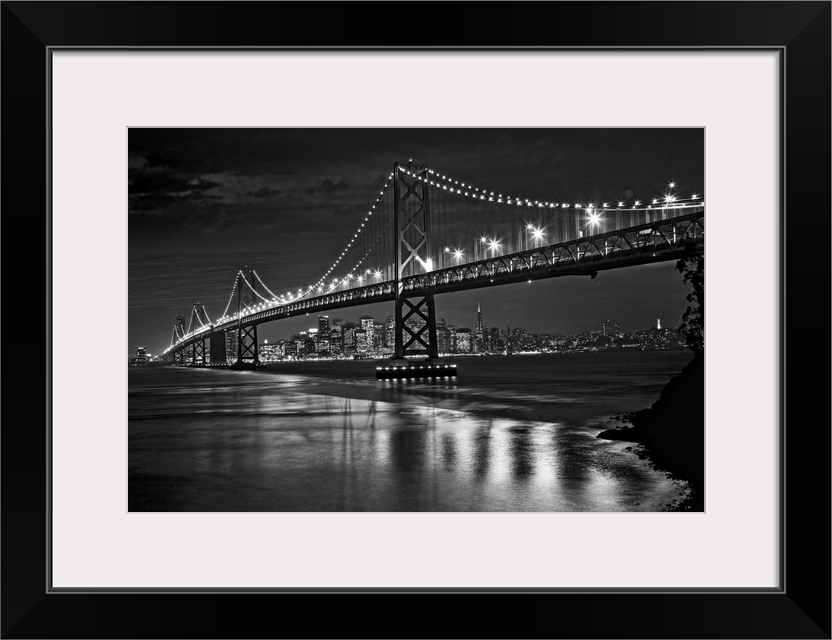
pixel 692 268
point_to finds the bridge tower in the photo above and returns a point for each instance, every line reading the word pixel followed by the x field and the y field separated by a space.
pixel 198 355
pixel 177 355
pixel 247 349
pixel 415 327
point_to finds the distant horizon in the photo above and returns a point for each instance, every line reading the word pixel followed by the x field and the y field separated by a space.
pixel 472 328
pixel 486 326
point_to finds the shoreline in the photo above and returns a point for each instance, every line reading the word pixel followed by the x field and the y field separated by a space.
pixel 670 433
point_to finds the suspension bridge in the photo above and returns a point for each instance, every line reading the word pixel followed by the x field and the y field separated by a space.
pixel 428 233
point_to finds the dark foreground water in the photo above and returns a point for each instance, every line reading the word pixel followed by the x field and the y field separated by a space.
pixel 511 434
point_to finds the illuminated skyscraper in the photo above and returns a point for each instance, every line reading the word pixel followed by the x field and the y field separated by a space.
pixel 390 331
pixel 322 337
pixel 463 340
pixel 231 346
pixel 478 343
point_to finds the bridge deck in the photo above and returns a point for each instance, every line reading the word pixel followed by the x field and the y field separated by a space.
pixel 657 241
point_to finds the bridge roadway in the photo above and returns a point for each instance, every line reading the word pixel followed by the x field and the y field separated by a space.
pixel 657 241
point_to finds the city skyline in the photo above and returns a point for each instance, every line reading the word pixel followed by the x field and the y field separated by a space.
pixel 205 202
pixel 479 339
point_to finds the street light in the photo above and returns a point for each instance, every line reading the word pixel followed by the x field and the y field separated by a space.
pixel 537 234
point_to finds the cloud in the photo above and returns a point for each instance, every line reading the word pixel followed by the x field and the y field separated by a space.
pixel 265 192
pixel 136 162
pixel 328 186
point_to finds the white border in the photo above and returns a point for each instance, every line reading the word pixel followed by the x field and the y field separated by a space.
pixel 98 544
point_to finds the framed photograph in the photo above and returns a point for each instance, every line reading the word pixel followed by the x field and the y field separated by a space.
pixel 327 315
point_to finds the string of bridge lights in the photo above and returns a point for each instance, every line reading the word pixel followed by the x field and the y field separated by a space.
pixel 448 183
pixel 260 280
pixel 276 299
pixel 369 251
pixel 353 239
pixel 452 185
pixel 265 300
pixel 202 324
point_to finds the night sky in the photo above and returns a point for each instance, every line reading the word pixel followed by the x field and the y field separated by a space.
pixel 205 202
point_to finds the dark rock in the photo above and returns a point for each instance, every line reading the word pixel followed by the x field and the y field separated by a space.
pixel 673 429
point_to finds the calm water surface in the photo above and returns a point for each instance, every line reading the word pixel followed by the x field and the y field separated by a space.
pixel 511 434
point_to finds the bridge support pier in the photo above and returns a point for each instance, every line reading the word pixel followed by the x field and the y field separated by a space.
pixel 248 356
pixel 198 358
pixel 218 357
pixel 415 326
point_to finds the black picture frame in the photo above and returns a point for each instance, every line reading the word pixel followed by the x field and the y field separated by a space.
pixel 800 608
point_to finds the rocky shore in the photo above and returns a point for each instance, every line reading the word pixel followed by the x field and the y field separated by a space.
pixel 672 431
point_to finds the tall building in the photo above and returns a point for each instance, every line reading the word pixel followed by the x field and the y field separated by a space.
pixel 378 338
pixel 390 331
pixel 363 343
pixel 336 342
pixel 323 324
pixel 659 324
pixel 492 340
pixel 478 344
pixel 231 346
pixel 443 336
pixel 269 352
pixel 463 340
pixel 310 343
pixel 323 336
pixel 348 338
pixel 290 350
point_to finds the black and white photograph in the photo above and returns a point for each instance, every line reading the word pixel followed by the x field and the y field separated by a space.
pixel 384 320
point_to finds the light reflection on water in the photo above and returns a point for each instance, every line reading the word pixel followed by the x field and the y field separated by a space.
pixel 224 441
